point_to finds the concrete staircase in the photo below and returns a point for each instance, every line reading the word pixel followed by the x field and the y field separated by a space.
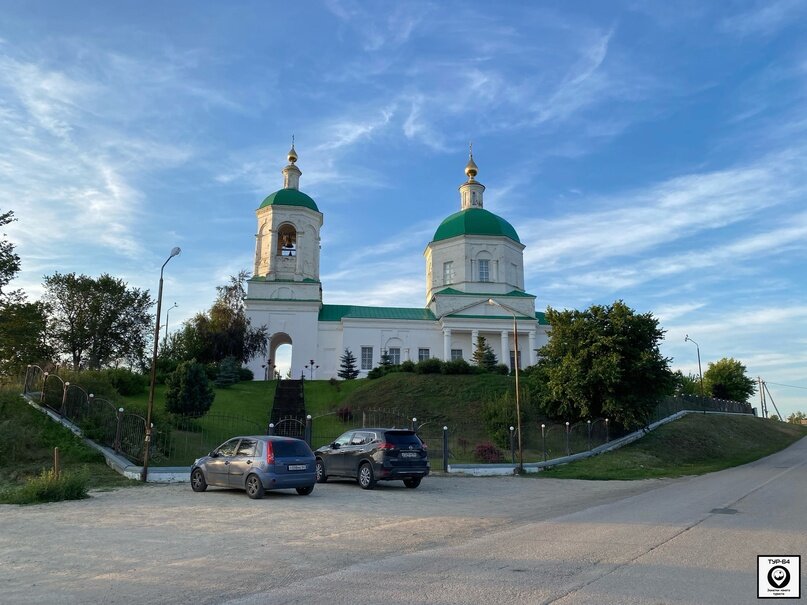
pixel 288 409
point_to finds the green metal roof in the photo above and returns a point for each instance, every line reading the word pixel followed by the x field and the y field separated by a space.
pixel 290 197
pixel 474 221
pixel 340 312
pixel 454 292
pixel 541 317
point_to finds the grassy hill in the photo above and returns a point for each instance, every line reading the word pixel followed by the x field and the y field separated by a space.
pixel 27 439
pixel 694 445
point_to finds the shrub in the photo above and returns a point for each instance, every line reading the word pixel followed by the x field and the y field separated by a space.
pixel 48 487
pixel 488 452
pixel 498 415
pixel 376 373
pixel 126 382
pixel 458 366
pixel 429 366
pixel 501 369
pixel 245 375
pixel 188 391
pixel 345 413
pixel 93 381
pixel 334 383
pixel 408 366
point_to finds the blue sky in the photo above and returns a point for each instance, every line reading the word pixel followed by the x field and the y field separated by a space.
pixel 647 151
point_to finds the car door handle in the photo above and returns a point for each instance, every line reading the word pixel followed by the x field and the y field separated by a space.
pixel 249 461
pixel 226 462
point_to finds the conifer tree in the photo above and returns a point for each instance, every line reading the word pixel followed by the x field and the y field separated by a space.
pixel 347 369
pixel 483 356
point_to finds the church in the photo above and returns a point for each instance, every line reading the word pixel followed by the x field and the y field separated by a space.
pixel 474 287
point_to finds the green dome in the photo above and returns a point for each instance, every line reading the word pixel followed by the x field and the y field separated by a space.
pixel 289 197
pixel 474 221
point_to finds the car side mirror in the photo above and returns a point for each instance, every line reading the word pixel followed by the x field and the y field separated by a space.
pixel 213 454
pixel 335 446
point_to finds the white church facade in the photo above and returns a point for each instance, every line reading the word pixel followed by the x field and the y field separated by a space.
pixel 474 287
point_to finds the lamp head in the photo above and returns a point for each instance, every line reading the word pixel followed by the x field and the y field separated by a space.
pixel 175 252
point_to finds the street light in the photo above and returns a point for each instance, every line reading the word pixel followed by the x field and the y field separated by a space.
pixel 700 373
pixel 147 441
pixel 518 400
pixel 167 313
pixel 311 367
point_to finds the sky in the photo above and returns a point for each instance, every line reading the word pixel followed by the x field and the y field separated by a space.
pixel 648 151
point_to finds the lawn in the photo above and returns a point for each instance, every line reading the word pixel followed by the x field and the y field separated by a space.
pixel 693 445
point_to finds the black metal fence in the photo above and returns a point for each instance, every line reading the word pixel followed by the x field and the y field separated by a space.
pixel 178 441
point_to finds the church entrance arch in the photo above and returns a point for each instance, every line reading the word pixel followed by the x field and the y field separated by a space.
pixel 280 347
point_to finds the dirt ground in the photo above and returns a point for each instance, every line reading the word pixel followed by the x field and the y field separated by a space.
pixel 166 544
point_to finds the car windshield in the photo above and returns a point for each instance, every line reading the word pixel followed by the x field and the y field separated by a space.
pixel 290 447
pixel 402 438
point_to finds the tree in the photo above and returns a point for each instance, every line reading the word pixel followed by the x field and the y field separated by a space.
pixel 726 379
pixel 23 325
pixel 604 361
pixel 97 321
pixel 9 260
pixel 23 336
pixel 227 372
pixel 224 331
pixel 688 384
pixel 797 418
pixel 347 369
pixel 188 391
pixel 386 360
pixel 483 355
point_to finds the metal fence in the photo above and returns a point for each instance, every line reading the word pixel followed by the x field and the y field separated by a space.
pixel 178 441
pixel 97 418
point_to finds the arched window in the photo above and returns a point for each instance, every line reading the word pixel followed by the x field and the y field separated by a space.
pixel 287 241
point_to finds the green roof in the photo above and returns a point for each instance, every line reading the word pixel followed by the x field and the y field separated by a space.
pixel 340 312
pixel 290 197
pixel 541 317
pixel 474 221
pixel 454 292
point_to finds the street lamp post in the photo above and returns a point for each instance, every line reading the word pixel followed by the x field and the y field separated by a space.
pixel 147 440
pixel 311 367
pixel 167 313
pixel 518 395
pixel 700 373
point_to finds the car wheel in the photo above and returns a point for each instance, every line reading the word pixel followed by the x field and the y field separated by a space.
pixel 366 479
pixel 320 469
pixel 412 483
pixel 254 487
pixel 198 482
pixel 304 491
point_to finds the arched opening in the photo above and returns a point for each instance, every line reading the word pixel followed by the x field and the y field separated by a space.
pixel 393 349
pixel 279 364
pixel 287 240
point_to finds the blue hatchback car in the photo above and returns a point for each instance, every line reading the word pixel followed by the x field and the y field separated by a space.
pixel 257 463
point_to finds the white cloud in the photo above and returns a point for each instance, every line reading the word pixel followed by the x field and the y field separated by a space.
pixel 767 17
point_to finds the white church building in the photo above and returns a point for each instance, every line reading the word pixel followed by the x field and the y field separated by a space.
pixel 474 287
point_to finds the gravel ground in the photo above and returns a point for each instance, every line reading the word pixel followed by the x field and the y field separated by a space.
pixel 166 544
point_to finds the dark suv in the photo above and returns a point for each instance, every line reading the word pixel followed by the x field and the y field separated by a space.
pixel 371 455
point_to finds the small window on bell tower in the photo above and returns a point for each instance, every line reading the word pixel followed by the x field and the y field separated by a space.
pixel 287 241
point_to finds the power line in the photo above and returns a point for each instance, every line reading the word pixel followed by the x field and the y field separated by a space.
pixel 790 386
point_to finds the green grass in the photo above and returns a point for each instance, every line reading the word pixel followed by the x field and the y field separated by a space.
pixel 27 439
pixel 694 445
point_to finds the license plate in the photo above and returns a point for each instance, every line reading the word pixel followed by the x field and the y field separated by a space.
pixel 297 467
pixel 409 454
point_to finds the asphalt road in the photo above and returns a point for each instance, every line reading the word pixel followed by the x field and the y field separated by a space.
pixel 453 540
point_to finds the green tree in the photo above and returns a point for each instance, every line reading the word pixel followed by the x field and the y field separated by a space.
pixel 97 321
pixel 9 260
pixel 687 384
pixel 227 372
pixel 797 418
pixel 386 361
pixel 188 392
pixel 223 331
pixel 347 368
pixel 604 361
pixel 23 325
pixel 726 379
pixel 483 356
pixel 23 336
